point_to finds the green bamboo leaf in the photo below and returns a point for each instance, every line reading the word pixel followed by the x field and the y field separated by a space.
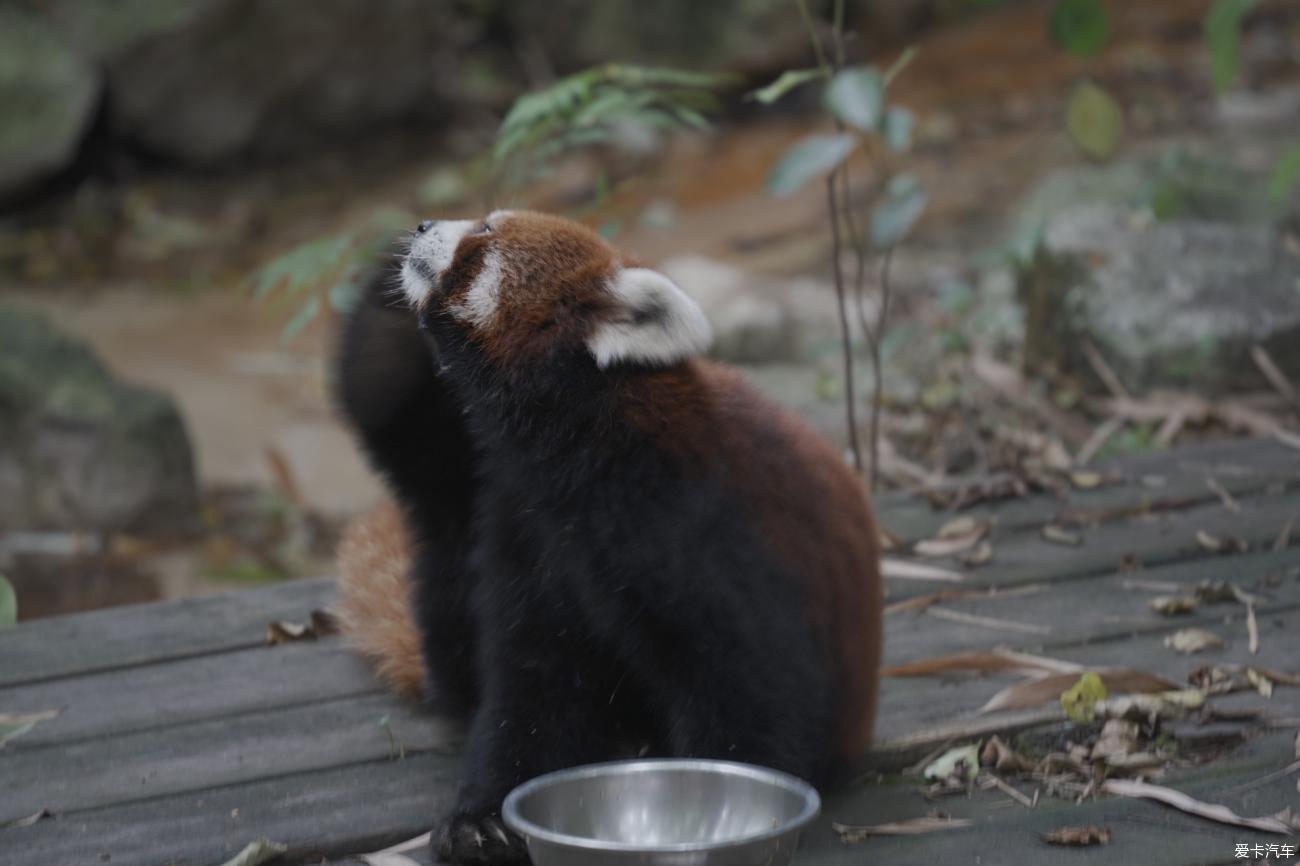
pixel 1080 26
pixel 789 80
pixel 894 217
pixel 1094 121
pixel 857 97
pixel 1223 37
pixel 897 129
pixel 8 602
pixel 301 319
pixel 1286 174
pixel 810 157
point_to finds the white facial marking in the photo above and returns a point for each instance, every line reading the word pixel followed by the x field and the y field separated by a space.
pixel 658 322
pixel 433 251
pixel 480 302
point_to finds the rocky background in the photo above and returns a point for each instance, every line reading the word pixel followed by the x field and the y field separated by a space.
pixel 162 433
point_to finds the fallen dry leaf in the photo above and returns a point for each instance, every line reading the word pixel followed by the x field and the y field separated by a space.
pixel 1174 605
pixel 27 821
pixel 1061 535
pixel 1003 758
pixel 1262 684
pixel 1117 738
pixel 1149 708
pixel 319 624
pixel 1048 689
pixel 257 853
pixel 1224 679
pixel 988 621
pixel 983 662
pixel 903 570
pixel 850 834
pixel 1190 805
pixel 955 765
pixel 1086 479
pixel 981 554
pixel 1193 640
pixel 1077 836
pixel 14 725
pixel 387 859
pixel 955 536
pixel 1221 544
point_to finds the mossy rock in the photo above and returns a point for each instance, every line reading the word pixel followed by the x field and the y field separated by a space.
pixel 80 450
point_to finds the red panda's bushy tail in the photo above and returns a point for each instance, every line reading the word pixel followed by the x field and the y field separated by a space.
pixel 375 609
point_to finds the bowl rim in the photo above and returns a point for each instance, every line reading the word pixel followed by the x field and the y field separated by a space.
pixel 516 822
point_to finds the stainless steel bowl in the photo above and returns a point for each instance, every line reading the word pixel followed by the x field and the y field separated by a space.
pixel 662 813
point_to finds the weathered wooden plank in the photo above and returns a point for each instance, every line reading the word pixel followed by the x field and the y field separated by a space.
pixel 151 696
pixel 332 812
pixel 1098 608
pixel 217 752
pixel 1163 479
pixel 139 634
pixel 1161 537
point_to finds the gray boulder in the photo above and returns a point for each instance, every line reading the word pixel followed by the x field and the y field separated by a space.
pixel 80 450
pixel 49 93
pixel 1173 304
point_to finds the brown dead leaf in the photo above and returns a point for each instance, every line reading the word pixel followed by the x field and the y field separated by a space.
pixel 1048 689
pixel 1003 758
pixel 1077 836
pixel 1061 535
pixel 319 624
pixel 1193 640
pixel 1190 805
pixel 850 834
pixel 982 662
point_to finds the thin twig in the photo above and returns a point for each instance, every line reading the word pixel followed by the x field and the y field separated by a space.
pixel 1284 537
pixel 1098 439
pixel 1104 371
pixel 987 621
pixel 877 362
pixel 1252 628
pixel 850 404
pixel 1274 375
pixel 1011 792
pixel 1224 496
pixel 812 33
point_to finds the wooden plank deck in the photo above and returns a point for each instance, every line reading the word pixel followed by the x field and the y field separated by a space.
pixel 180 737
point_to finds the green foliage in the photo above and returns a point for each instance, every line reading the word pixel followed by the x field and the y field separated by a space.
pixel 856 96
pixel 327 271
pixel 1094 121
pixel 810 158
pixel 1081 27
pixel 587 107
pixel 898 211
pixel 1286 175
pixel 8 603
pixel 791 79
pixel 1223 39
pixel 897 129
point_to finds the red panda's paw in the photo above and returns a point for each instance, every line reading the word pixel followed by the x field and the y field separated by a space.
pixel 478 840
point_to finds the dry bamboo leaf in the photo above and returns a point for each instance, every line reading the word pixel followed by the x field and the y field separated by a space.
pixel 14 725
pixel 960 527
pixel 890 541
pixel 27 821
pixel 1149 708
pixel 1252 632
pixel 980 555
pixel 988 621
pixel 850 834
pixel 1224 679
pixel 1077 836
pixel 1190 805
pixel 1208 542
pixel 1193 640
pixel 257 853
pixel 1061 535
pixel 1262 684
pixel 1224 496
pixel 958 534
pixel 1284 537
pixel 319 624
pixel 1048 689
pixel 903 570
pixel 1174 605
pixel 1221 544
pixel 982 662
pixel 1003 758
pixel 1118 737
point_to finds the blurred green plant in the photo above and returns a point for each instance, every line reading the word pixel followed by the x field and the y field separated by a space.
pixel 326 272
pixel 588 108
pixel 1223 25
pixel 8 603
pixel 855 99
pixel 1081 27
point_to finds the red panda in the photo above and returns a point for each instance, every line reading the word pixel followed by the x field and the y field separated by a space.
pixel 601 541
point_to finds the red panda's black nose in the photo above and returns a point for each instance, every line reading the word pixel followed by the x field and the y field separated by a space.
pixel 424 227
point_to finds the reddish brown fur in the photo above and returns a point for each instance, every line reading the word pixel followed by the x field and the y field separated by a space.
pixel 707 412
pixel 374 609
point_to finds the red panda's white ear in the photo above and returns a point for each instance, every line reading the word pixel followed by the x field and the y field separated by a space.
pixel 655 323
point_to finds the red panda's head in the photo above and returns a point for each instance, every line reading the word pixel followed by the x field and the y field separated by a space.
pixel 519 284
